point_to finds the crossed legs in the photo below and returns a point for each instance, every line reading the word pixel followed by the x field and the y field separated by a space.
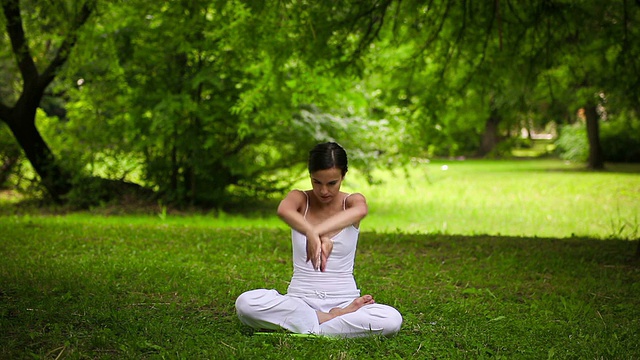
pixel 267 309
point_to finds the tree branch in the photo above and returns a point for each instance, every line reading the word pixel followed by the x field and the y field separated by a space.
pixel 65 48
pixel 499 16
pixel 19 44
pixel 436 33
pixel 374 16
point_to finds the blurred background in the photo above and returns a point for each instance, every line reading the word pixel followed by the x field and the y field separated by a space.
pixel 205 103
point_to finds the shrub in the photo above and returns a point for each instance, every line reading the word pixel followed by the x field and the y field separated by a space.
pixel 10 156
pixel 620 140
pixel 572 144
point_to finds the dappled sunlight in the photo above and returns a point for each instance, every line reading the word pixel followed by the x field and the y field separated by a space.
pixel 10 197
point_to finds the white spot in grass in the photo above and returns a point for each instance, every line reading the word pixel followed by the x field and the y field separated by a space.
pixel 444 168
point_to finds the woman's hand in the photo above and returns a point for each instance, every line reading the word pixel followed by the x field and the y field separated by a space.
pixel 326 246
pixel 314 250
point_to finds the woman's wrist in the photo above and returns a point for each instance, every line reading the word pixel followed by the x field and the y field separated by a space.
pixel 312 233
pixel 324 239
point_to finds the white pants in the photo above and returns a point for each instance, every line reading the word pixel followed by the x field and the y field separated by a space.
pixel 268 309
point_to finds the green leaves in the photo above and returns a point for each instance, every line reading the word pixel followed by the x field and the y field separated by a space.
pixel 208 94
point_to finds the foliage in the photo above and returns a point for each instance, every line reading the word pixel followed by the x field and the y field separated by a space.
pixel 476 63
pixel 207 104
pixel 112 289
pixel 572 143
pixel 9 157
pixel 621 140
pixel 199 99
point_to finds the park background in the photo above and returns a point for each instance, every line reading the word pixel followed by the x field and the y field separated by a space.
pixel 144 146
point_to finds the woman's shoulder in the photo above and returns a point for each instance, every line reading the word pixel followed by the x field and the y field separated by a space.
pixel 295 199
pixel 354 198
pixel 297 195
pixel 304 194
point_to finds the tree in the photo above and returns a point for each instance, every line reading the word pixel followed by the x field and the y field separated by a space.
pixel 20 117
pixel 205 105
pixel 210 94
pixel 504 56
pixel 463 75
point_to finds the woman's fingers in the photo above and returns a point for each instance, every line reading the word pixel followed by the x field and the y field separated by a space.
pixel 326 246
pixel 313 252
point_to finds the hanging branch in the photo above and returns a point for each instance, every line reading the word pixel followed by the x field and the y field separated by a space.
pixel 65 48
pixel 19 43
pixel 35 83
pixel 484 52
pixel 375 23
pixel 497 12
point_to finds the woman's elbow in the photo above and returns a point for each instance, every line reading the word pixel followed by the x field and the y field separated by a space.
pixel 281 211
pixel 362 211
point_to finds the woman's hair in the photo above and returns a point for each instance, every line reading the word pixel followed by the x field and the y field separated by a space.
pixel 327 156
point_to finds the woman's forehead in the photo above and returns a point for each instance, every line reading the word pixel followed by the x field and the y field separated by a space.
pixel 327 174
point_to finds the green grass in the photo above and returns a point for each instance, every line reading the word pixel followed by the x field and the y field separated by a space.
pixel 91 285
pixel 167 291
pixel 547 198
pixel 517 198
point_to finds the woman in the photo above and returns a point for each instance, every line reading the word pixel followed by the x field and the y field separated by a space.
pixel 322 297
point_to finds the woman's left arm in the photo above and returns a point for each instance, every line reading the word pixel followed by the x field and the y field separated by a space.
pixel 356 210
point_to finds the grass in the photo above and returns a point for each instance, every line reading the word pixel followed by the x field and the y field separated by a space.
pixel 149 287
pixel 167 291
pixel 545 198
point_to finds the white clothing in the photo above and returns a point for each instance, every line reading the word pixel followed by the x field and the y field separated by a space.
pixel 268 309
pixel 310 291
pixel 337 279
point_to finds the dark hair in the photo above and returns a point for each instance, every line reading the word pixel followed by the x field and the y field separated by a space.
pixel 327 156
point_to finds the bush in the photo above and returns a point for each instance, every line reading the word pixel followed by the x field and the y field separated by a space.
pixel 10 157
pixel 572 144
pixel 620 140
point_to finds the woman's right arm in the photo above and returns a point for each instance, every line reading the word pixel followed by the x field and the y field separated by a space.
pixel 290 211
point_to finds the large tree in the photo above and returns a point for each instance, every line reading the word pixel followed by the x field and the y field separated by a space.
pixel 203 93
pixel 493 63
pixel 215 88
pixel 37 72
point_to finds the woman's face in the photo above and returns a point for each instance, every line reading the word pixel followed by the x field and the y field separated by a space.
pixel 326 184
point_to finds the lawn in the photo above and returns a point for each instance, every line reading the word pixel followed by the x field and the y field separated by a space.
pixel 89 285
pixel 546 198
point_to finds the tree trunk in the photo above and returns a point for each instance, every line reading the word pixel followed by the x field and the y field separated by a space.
pixel 21 122
pixel 490 137
pixel 21 117
pixel 596 158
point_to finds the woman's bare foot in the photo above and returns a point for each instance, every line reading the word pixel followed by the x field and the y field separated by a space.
pixel 352 307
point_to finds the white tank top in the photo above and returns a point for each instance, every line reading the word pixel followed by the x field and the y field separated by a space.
pixel 337 280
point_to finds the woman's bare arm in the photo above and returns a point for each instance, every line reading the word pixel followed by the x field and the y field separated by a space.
pixel 318 250
pixel 289 211
pixel 356 210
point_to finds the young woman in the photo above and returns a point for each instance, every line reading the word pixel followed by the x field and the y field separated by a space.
pixel 322 297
